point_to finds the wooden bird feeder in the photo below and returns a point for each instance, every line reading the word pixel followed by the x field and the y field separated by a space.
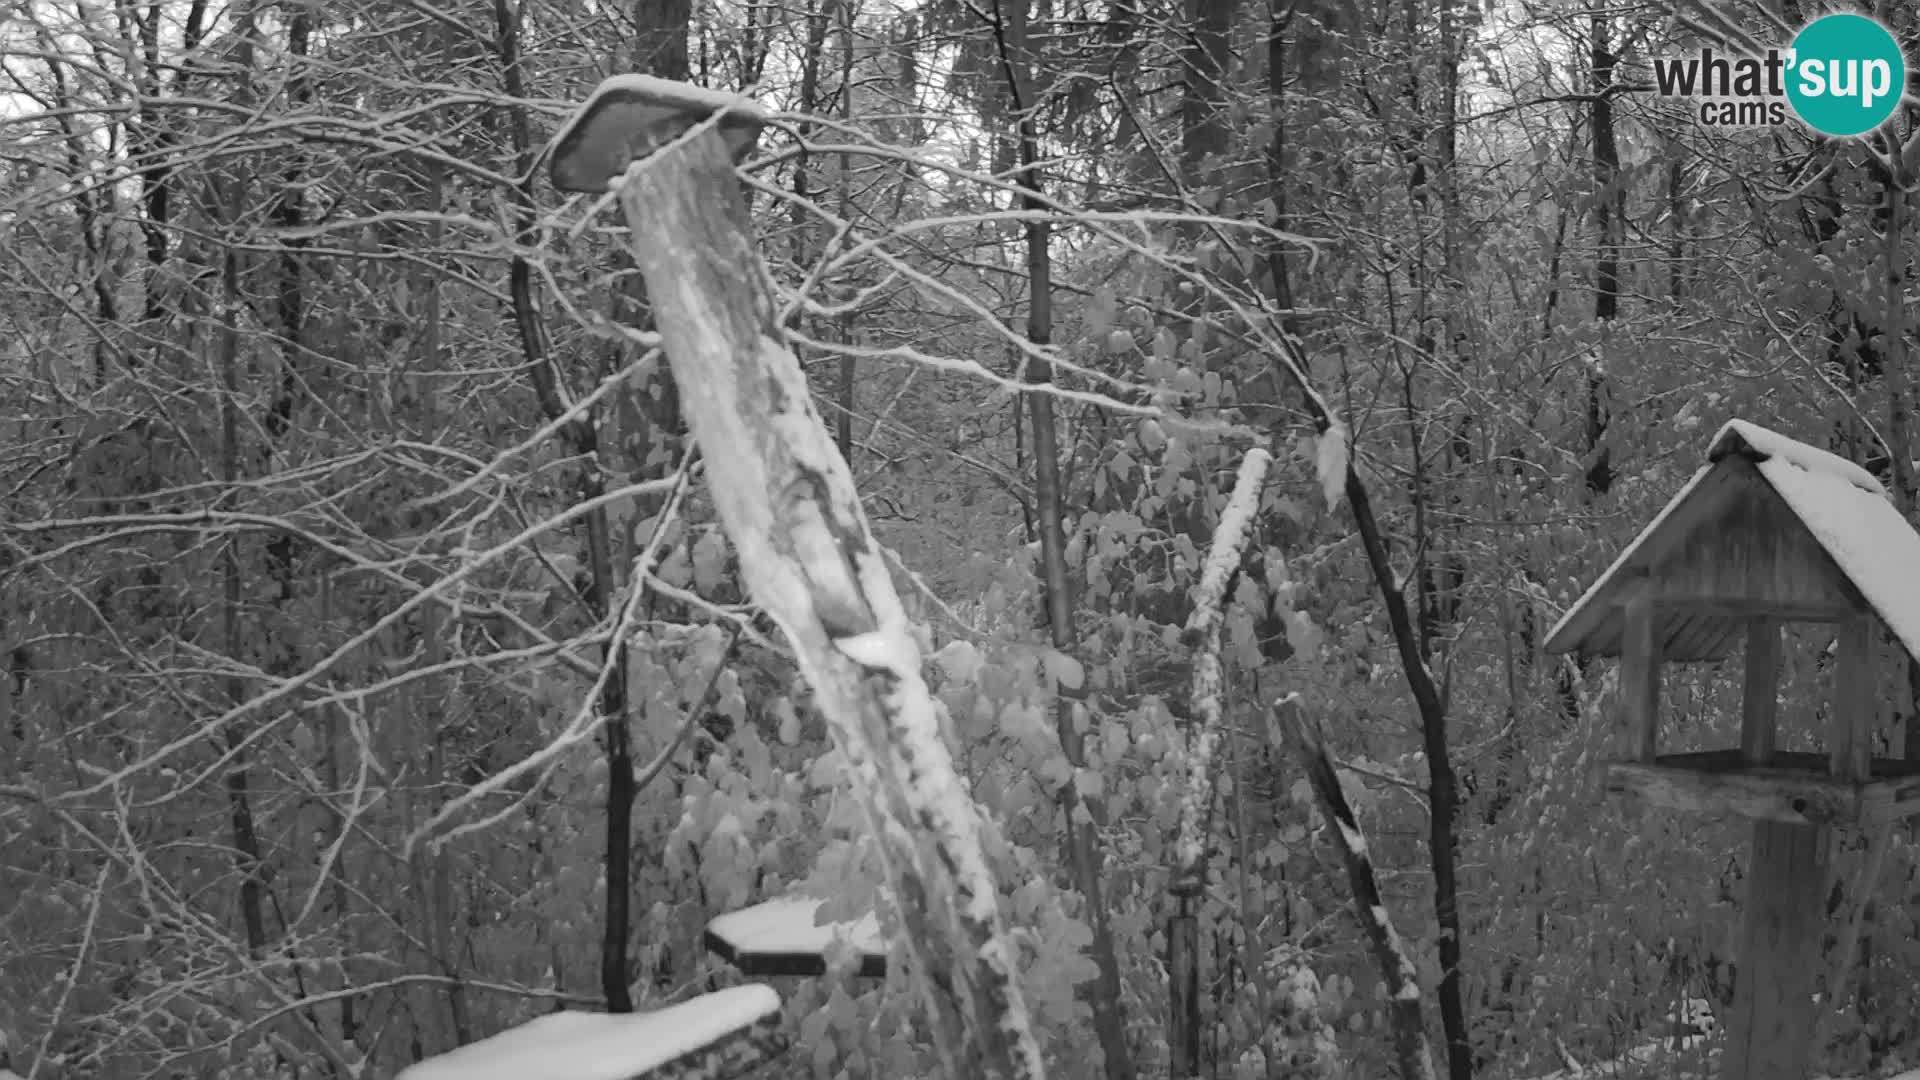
pixel 1769 531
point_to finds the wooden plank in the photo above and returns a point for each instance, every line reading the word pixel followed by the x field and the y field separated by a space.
pixel 1771 1033
pixel 1760 701
pixel 1896 809
pixel 1790 798
pixel 1853 701
pixel 762 963
pixel 1790 764
pixel 1795 789
pixel 1640 675
pixel 1729 608
pixel 1892 800
pixel 1688 637
pixel 1183 1028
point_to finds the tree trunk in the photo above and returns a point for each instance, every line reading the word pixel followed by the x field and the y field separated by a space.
pixel 1442 786
pixel 660 47
pixel 1609 209
pixel 1899 431
pixel 582 438
pixel 787 501
pixel 1279 15
pixel 1203 130
pixel 1082 817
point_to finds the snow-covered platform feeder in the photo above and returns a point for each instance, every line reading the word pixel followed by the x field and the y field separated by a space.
pixel 785 937
pixel 718 1036
pixel 1769 531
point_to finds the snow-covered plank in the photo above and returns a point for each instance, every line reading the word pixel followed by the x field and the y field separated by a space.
pixel 785 937
pixel 712 1035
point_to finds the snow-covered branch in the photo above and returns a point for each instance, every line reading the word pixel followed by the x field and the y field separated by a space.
pixel 1203 636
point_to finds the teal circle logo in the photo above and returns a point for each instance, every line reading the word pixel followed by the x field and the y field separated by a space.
pixel 1847 75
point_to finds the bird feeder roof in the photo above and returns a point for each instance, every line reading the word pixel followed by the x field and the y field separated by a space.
pixel 628 117
pixel 1768 527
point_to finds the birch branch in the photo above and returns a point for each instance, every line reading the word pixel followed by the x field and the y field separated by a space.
pixel 1203 636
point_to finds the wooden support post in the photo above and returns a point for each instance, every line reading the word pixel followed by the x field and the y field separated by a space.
pixel 1772 1031
pixel 1853 702
pixel 1183 972
pixel 1771 1034
pixel 1760 702
pixel 1640 675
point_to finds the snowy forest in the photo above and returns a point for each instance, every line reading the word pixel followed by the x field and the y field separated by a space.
pixel 1225 400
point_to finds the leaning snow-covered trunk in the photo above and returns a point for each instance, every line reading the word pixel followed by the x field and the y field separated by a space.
pixel 787 501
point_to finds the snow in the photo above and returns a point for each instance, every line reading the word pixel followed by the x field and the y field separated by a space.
pixel 1330 462
pixel 602 1046
pixel 1773 445
pixel 876 650
pixel 787 926
pixel 679 94
pixel 1228 547
pixel 1356 840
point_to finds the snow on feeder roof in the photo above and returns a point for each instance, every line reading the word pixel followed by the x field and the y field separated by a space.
pixel 718 1034
pixel 785 937
pixel 1769 526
